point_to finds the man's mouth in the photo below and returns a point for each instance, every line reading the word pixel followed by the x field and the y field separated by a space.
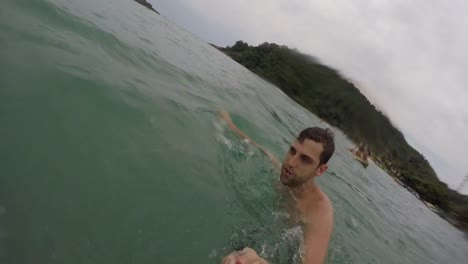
pixel 288 173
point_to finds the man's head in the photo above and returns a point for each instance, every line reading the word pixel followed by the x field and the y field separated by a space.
pixel 307 156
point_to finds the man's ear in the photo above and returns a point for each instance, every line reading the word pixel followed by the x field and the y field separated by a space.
pixel 321 169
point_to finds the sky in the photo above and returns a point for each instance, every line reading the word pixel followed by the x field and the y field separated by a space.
pixel 408 57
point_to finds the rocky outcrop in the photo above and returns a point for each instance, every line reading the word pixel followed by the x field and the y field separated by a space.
pixel 148 5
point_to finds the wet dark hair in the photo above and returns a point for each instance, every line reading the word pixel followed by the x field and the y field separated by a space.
pixel 320 135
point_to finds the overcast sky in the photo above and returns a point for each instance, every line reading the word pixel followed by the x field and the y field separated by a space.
pixel 409 57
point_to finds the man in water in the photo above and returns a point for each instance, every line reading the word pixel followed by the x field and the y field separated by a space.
pixel 306 159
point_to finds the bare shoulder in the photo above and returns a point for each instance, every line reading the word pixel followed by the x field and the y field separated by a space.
pixel 321 212
pixel 326 204
pixel 323 205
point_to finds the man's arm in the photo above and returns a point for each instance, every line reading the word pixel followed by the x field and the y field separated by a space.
pixel 227 118
pixel 317 234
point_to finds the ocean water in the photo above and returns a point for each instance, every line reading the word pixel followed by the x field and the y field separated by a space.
pixel 111 151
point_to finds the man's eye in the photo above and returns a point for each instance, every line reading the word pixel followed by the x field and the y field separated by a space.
pixel 306 159
pixel 292 151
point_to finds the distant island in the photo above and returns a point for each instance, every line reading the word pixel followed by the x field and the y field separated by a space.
pixel 146 4
pixel 333 98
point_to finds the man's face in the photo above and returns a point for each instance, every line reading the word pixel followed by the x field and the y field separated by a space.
pixel 302 163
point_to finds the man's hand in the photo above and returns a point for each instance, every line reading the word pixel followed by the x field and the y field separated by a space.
pixel 245 256
pixel 226 117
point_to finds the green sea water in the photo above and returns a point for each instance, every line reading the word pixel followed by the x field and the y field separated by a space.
pixel 111 151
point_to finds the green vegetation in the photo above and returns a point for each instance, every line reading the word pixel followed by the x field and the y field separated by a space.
pixel 325 92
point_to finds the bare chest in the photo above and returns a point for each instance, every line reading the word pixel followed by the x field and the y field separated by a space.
pixel 299 210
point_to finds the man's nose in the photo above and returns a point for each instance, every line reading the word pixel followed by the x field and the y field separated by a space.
pixel 293 160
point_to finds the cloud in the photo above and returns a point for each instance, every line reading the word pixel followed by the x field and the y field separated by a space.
pixel 408 57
